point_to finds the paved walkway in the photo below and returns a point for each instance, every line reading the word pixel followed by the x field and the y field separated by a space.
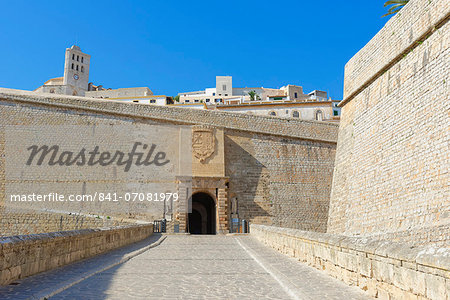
pixel 202 267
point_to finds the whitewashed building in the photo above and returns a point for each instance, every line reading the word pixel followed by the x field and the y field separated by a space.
pixel 288 101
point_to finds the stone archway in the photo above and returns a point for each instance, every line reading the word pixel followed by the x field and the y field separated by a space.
pixel 202 219
pixel 214 187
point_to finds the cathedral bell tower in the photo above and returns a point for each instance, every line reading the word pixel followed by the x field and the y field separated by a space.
pixel 76 70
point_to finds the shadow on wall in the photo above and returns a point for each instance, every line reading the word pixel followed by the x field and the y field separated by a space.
pixel 249 180
pixel 280 181
pixel 301 183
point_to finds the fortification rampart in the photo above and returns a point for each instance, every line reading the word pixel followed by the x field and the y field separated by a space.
pixel 391 172
pixel 383 269
pixel 402 33
pixel 24 222
pixel 280 181
pixel 279 171
pixel 23 256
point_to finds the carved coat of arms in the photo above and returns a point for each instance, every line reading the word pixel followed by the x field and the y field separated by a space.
pixel 203 142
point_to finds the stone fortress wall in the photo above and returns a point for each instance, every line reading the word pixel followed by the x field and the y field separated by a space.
pixel 384 269
pixel 25 222
pixel 388 228
pixel 26 255
pixel 280 181
pixel 391 177
pixel 279 170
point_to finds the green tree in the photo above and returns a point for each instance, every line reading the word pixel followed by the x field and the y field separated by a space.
pixel 396 6
pixel 177 98
pixel 252 95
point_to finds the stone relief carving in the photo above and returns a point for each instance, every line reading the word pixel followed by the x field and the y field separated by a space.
pixel 203 142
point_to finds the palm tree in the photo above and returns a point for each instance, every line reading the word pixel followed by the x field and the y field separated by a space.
pixel 252 95
pixel 396 6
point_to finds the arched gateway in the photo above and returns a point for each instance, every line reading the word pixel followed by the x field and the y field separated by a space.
pixel 202 219
pixel 205 208
pixel 202 206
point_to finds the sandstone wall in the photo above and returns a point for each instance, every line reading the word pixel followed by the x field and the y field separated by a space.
pixel 280 181
pixel 383 269
pixel 392 161
pixel 280 170
pixel 31 222
pixel 51 179
pixel 22 256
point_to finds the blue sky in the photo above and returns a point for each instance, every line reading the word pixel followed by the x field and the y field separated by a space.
pixel 176 46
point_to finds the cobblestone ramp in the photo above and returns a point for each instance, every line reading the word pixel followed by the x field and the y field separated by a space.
pixel 210 267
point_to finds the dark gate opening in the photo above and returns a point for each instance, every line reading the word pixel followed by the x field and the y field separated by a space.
pixel 202 219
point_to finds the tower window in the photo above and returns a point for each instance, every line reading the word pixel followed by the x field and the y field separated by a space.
pixel 72 66
pixel 78 58
pixel 82 59
pixel 73 56
pixel 77 67
pixel 224 87
pixel 82 69
pixel 295 95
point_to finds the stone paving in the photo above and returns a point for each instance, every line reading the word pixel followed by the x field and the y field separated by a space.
pixel 205 267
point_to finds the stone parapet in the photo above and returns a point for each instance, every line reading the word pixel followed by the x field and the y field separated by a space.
pixel 25 255
pixel 381 268
pixel 402 33
pixel 22 222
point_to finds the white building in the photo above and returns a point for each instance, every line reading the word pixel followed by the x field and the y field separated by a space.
pixel 305 110
pixel 141 95
pixel 225 93
pixel 287 101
